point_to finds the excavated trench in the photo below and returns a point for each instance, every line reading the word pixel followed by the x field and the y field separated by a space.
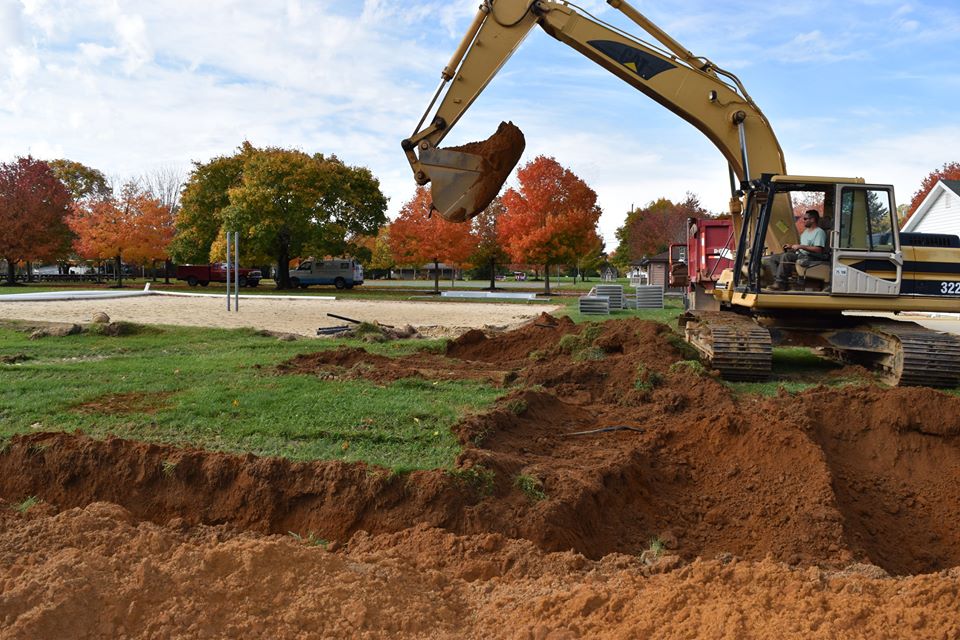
pixel 827 477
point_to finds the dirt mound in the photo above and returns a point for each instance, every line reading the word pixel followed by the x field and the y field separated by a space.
pixel 542 334
pixel 827 477
pixel 98 572
pixel 499 154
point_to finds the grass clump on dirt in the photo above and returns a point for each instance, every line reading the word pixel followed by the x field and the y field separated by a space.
pixel 647 379
pixel 218 389
pixel 691 365
pixel 654 551
pixel 27 504
pixel 531 486
pixel 580 347
pixel 478 477
pixel 310 539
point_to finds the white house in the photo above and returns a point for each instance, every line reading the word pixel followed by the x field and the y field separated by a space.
pixel 939 212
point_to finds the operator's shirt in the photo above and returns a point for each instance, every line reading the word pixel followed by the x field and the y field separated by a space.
pixel 813 238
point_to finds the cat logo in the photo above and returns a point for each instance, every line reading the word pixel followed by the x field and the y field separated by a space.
pixel 639 62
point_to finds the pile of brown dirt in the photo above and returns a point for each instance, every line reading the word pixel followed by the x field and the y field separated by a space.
pixel 97 571
pixel 499 154
pixel 845 485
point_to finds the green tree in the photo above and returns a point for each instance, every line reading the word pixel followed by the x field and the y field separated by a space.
pixel 81 181
pixel 205 196
pixel 376 251
pixel 284 203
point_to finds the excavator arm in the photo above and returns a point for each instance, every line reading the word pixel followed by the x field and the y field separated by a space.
pixel 465 179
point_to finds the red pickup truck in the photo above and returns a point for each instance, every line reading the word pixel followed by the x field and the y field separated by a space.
pixel 204 274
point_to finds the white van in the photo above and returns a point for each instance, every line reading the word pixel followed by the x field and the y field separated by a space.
pixel 340 272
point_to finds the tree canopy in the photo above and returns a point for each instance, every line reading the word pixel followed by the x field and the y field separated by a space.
pixel 649 230
pixel 417 237
pixel 284 203
pixel 489 250
pixel 34 205
pixel 134 225
pixel 550 218
pixel 949 171
pixel 81 181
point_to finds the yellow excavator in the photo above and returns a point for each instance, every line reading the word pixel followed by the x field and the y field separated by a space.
pixel 867 267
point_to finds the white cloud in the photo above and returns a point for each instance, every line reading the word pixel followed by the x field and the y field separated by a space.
pixel 125 85
pixel 11 28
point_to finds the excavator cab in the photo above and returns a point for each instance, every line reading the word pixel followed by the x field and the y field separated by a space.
pixel 863 251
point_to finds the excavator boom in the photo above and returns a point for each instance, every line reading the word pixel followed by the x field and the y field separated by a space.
pixel 464 180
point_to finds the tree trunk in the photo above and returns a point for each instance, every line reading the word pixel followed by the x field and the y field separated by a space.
pixel 11 272
pixel 166 271
pixel 29 271
pixel 282 277
pixel 493 274
pixel 153 268
pixel 546 279
pixel 119 271
pixel 436 276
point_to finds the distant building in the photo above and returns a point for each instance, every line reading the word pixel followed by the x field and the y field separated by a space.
pixel 426 272
pixel 939 212
pixel 656 268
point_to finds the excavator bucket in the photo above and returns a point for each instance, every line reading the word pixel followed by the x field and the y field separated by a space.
pixel 467 178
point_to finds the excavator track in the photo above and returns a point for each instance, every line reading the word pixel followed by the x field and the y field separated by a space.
pixel 735 346
pixel 921 356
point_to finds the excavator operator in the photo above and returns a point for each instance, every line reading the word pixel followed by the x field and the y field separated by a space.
pixel 810 250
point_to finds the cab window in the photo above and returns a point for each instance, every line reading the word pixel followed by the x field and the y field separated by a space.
pixel 866 219
pixel 305 266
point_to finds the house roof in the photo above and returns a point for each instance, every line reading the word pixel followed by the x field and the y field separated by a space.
pixel 644 261
pixel 951 186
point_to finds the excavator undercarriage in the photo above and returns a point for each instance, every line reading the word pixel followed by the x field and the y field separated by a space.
pixel 740 347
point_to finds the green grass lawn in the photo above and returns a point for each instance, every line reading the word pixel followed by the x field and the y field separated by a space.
pixel 217 389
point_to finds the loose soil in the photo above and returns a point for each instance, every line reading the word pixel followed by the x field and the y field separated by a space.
pixel 499 154
pixel 830 513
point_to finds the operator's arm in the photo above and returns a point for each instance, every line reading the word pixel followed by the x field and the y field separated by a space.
pixel 816 242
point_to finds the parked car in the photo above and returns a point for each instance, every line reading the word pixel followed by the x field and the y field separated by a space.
pixel 340 272
pixel 204 274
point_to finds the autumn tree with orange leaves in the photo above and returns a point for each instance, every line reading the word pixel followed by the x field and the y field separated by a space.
pixel 134 225
pixel 34 205
pixel 949 171
pixel 416 237
pixel 551 218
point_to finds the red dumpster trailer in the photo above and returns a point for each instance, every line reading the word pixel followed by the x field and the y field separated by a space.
pixel 204 274
pixel 709 250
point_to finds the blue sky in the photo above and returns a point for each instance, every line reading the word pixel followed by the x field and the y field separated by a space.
pixel 865 88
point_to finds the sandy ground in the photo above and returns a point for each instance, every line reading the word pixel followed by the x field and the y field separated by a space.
pixel 302 316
